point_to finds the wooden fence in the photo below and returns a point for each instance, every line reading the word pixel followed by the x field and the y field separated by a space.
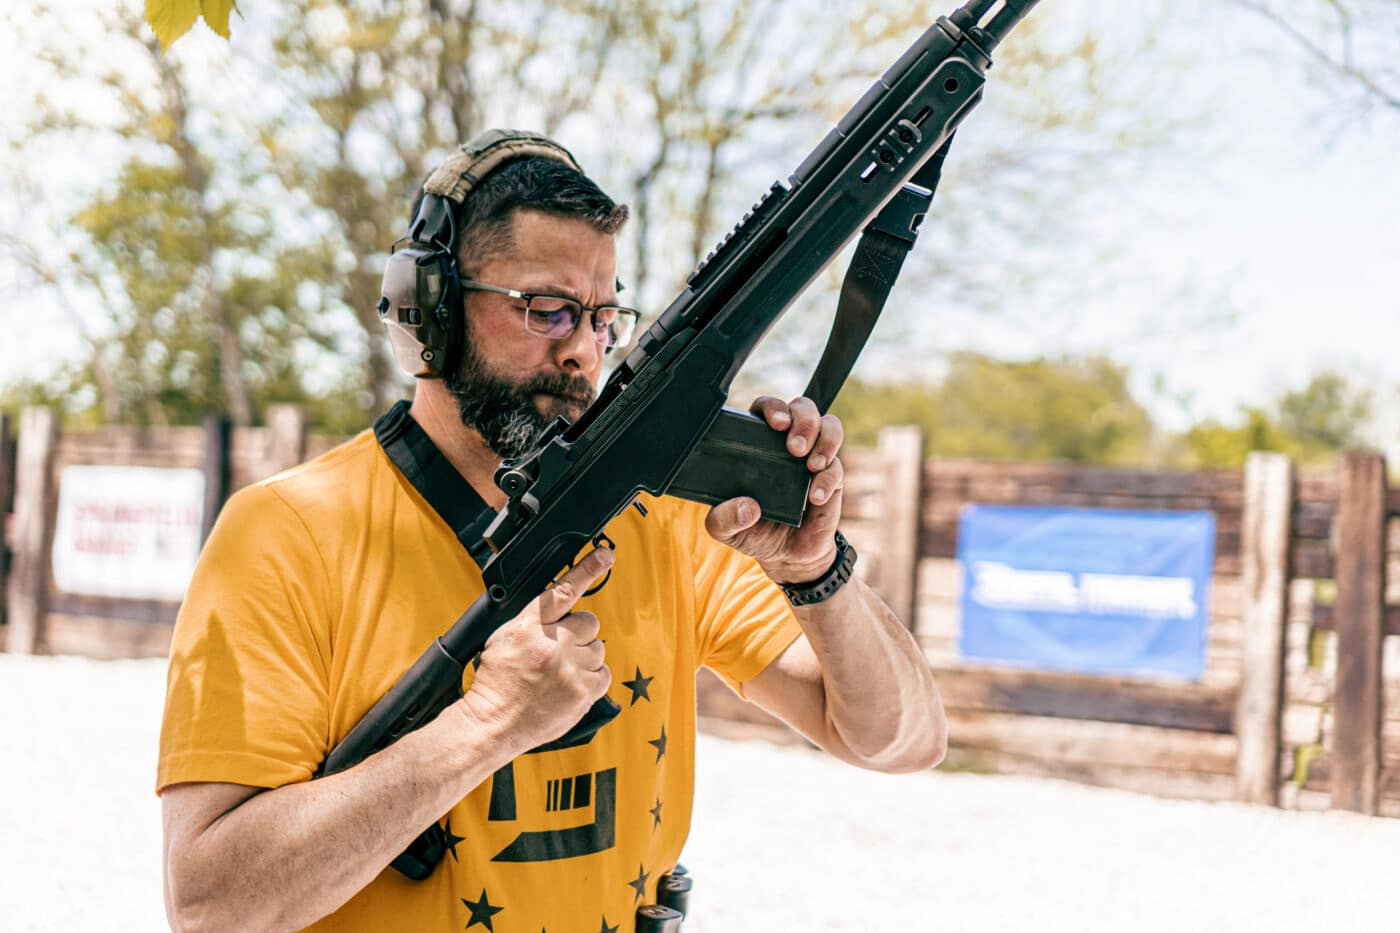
pixel 1294 709
pixel 1298 706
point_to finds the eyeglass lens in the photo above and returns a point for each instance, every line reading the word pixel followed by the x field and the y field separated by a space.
pixel 557 317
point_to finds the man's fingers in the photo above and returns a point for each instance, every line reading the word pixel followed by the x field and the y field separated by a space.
pixel 772 410
pixel 806 425
pixel 729 518
pixel 556 601
pixel 828 444
pixel 595 656
pixel 582 627
pixel 827 483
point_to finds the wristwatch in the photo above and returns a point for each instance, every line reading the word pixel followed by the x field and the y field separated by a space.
pixel 807 594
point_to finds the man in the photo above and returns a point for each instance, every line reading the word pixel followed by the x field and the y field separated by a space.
pixel 320 586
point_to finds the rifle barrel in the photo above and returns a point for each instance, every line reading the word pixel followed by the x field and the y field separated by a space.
pixel 1005 20
pixel 976 9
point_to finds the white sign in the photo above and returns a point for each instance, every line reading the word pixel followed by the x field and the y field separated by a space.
pixel 127 531
pixel 1001 586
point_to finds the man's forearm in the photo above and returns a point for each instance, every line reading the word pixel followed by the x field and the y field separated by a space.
pixel 881 708
pixel 284 858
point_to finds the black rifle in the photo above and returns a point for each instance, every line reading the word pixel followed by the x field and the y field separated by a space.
pixel 658 405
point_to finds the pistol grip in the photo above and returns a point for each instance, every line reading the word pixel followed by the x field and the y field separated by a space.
pixel 423 853
pixel 599 715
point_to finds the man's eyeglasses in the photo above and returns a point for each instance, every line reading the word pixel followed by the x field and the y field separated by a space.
pixel 555 317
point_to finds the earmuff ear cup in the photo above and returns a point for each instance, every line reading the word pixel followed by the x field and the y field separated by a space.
pixel 453 317
pixel 417 306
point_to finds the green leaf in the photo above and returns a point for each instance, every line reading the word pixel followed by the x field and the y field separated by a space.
pixel 216 14
pixel 171 19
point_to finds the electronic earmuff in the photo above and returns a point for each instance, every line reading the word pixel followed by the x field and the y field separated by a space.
pixel 420 299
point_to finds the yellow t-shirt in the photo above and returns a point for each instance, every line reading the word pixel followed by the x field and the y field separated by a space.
pixel 320 586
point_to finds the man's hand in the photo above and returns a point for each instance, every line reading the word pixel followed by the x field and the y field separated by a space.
pixel 787 554
pixel 541 671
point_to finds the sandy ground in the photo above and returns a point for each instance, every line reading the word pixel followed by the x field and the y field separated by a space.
pixel 784 838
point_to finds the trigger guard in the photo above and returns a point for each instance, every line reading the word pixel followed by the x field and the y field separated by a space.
pixel 599 540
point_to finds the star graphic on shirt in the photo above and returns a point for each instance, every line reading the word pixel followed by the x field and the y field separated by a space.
pixel 605 928
pixel 656 813
pixel 659 743
pixel 482 912
pixel 640 885
pixel 638 686
pixel 452 839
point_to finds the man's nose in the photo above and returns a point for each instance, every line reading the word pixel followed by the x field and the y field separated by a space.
pixel 580 350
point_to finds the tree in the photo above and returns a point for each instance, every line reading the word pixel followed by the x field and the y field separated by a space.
pixel 1081 410
pixel 1326 415
pixel 1211 444
pixel 345 106
pixel 1353 45
pixel 1042 409
pixel 713 100
pixel 1313 424
pixel 192 286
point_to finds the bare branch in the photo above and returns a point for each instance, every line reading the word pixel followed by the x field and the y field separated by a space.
pixel 1343 65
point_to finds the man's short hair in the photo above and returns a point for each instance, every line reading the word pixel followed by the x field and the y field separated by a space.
pixel 537 184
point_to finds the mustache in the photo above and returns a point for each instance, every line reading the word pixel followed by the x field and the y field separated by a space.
pixel 575 387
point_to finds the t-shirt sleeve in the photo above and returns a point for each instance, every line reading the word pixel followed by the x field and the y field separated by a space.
pixel 246 695
pixel 743 621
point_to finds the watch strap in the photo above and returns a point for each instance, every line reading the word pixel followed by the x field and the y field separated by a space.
pixel 825 586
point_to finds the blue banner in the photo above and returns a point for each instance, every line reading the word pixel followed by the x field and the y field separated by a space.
pixel 1097 591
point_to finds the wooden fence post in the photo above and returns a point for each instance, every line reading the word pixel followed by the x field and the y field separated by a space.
pixel 7 493
pixel 1266 528
pixel 218 471
pixel 1359 615
pixel 902 449
pixel 36 494
pixel 287 445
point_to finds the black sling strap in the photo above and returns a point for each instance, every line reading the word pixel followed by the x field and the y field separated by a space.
pixel 874 268
pixel 452 497
pixel 436 480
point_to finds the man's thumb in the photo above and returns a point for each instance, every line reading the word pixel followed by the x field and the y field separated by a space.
pixel 732 517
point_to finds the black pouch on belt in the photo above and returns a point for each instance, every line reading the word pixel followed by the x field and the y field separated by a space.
pixel 673 900
pixel 673 890
pixel 655 918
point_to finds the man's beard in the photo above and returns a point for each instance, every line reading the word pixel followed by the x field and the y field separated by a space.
pixel 504 413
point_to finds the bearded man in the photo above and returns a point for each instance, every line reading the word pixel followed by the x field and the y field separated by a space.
pixel 320 586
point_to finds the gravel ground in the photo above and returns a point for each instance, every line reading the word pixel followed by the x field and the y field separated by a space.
pixel 784 838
